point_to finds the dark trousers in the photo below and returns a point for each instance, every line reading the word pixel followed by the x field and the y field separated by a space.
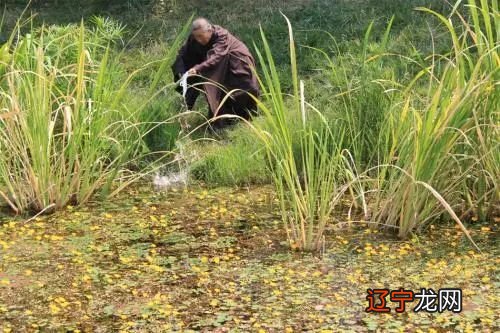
pixel 239 103
pixel 193 91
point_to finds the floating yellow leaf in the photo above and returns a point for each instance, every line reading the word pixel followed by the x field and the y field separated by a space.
pixel 54 309
pixel 316 274
pixel 157 268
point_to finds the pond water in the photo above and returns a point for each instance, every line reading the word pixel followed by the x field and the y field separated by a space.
pixel 216 260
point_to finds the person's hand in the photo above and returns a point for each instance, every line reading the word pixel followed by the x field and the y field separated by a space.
pixel 192 71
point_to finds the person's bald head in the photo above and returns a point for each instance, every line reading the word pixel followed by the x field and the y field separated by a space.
pixel 202 24
pixel 202 30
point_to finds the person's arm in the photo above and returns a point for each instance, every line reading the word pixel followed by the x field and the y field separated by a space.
pixel 179 67
pixel 218 52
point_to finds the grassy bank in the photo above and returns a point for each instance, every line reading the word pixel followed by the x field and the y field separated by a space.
pixel 376 158
pixel 382 79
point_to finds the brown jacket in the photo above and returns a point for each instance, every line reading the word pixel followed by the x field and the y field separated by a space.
pixel 225 61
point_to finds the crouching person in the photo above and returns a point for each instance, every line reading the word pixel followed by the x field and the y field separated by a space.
pixel 217 63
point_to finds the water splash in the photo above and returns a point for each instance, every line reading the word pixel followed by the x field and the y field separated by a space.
pixel 179 176
pixel 171 180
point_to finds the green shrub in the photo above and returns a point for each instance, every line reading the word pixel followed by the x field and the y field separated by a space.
pixel 66 128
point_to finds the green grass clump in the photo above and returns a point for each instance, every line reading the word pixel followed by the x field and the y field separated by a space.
pixel 237 160
pixel 417 150
pixel 307 163
pixel 439 151
pixel 67 127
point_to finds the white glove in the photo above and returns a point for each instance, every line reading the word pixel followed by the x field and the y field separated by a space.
pixel 184 84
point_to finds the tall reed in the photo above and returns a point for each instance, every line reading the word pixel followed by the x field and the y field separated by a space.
pixel 66 131
pixel 306 162
pixel 440 150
